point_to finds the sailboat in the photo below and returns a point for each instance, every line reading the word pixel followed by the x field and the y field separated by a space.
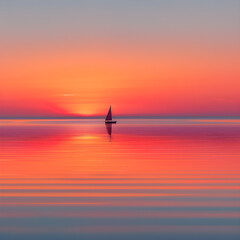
pixel 108 118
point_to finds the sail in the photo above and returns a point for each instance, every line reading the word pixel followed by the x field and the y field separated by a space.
pixel 109 115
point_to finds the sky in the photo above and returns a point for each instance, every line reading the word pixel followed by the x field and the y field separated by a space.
pixel 63 58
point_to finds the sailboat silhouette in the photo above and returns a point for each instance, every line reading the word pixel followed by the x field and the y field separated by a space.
pixel 108 118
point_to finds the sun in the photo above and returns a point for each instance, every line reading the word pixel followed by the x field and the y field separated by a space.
pixel 86 110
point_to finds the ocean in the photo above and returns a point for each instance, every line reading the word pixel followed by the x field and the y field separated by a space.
pixel 137 179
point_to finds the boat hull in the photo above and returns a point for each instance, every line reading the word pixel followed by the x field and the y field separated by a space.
pixel 107 122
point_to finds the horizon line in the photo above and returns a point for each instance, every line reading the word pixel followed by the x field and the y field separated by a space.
pixel 120 117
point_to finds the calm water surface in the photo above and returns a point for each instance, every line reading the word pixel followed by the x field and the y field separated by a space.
pixel 151 179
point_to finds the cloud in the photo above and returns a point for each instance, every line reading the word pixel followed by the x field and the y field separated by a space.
pixel 69 95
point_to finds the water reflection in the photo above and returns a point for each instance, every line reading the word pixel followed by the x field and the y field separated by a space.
pixel 109 130
pixel 64 180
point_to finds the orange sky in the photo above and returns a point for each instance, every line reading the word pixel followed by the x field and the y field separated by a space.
pixel 140 73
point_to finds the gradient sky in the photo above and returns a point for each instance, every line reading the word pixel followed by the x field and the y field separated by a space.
pixel 152 57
